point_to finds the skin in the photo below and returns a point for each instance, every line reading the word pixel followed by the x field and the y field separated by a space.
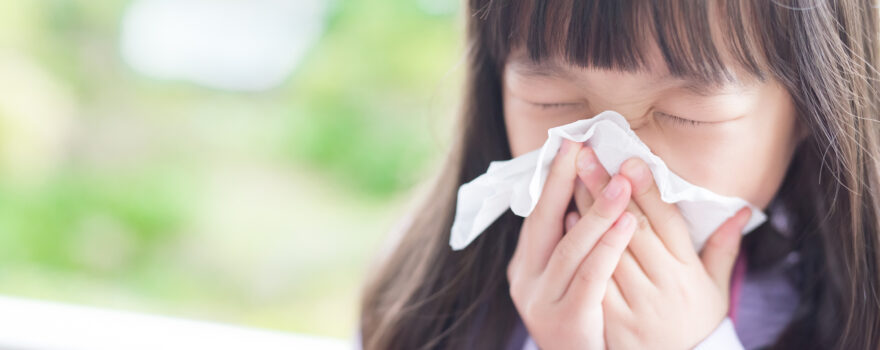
pixel 750 125
pixel 619 270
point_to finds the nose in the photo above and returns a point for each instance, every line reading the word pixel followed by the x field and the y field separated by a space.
pixel 637 115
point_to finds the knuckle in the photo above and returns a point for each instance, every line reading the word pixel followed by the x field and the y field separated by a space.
pixel 714 245
pixel 511 272
pixel 572 325
pixel 645 188
pixel 664 280
pixel 588 274
pixel 671 217
pixel 686 292
pixel 680 296
pixel 717 245
pixel 642 222
pixel 515 286
pixel 602 211
pixel 608 244
pixel 516 293
pixel 566 251
pixel 637 330
pixel 559 168
pixel 531 310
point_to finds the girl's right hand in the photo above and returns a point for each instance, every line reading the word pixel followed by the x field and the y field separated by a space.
pixel 558 282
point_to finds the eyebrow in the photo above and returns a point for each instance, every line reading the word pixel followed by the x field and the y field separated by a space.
pixel 707 88
pixel 699 87
pixel 529 68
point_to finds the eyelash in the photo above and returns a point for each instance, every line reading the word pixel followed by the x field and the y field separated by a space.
pixel 680 120
pixel 555 105
pixel 673 118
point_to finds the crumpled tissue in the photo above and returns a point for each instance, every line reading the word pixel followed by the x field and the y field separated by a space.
pixel 517 183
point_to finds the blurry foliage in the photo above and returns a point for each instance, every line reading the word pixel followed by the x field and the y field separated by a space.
pixel 44 223
pixel 362 118
pixel 357 89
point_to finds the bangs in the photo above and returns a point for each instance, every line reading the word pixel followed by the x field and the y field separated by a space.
pixel 698 40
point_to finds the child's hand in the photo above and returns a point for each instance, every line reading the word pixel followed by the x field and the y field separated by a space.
pixel 558 282
pixel 663 295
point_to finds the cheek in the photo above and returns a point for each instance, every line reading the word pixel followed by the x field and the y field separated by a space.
pixel 524 136
pixel 748 161
pixel 525 133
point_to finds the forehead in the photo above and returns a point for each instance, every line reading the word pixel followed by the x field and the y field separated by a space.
pixel 653 75
pixel 559 66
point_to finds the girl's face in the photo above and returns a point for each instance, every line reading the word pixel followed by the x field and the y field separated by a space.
pixel 735 139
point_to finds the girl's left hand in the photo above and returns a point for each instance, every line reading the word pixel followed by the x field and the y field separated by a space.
pixel 662 295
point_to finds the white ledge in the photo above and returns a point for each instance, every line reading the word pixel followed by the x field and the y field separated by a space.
pixel 29 324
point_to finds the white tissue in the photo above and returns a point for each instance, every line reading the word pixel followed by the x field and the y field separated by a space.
pixel 517 183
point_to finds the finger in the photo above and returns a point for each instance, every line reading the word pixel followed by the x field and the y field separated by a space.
pixel 719 253
pixel 665 218
pixel 594 176
pixel 632 279
pixel 583 200
pixel 581 239
pixel 645 245
pixel 614 302
pixel 542 229
pixel 591 172
pixel 571 219
pixel 649 251
pixel 591 279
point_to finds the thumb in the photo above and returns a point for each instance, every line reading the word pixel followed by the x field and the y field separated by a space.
pixel 719 253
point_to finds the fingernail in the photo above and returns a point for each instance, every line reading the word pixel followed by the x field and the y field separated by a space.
pixel 566 145
pixel 614 188
pixel 586 162
pixel 635 170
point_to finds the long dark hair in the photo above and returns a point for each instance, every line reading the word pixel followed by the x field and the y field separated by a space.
pixel 825 54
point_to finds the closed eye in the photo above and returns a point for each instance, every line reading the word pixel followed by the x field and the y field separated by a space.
pixel 679 120
pixel 557 105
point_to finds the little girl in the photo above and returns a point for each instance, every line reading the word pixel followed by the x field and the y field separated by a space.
pixel 775 102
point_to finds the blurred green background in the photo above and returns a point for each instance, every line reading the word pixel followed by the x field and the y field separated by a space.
pixel 262 206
